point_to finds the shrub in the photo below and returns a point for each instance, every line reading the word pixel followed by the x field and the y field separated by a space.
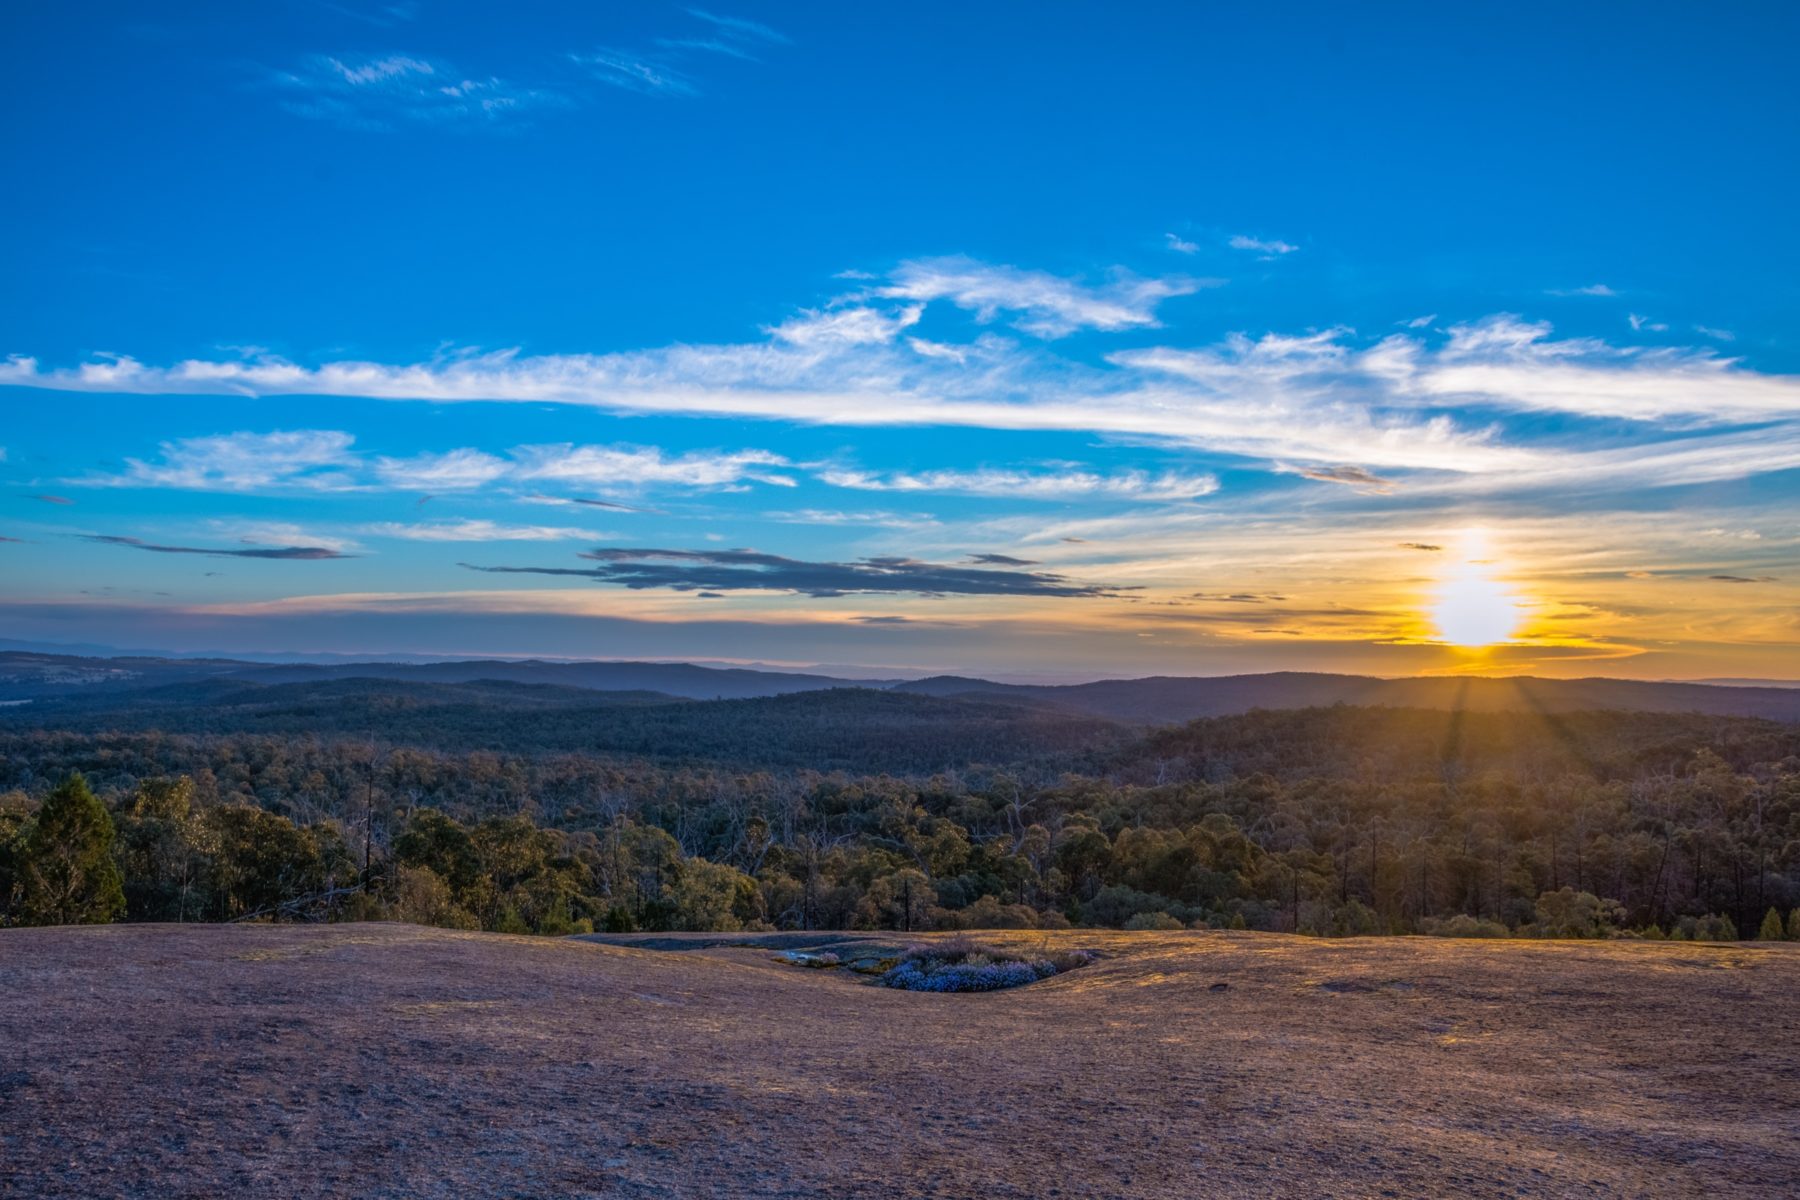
pixel 1462 925
pixel 1710 928
pixel 1771 930
pixel 1567 913
pixel 961 965
pixel 1153 920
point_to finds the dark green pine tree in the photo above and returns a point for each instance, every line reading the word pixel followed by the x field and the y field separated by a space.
pixel 66 868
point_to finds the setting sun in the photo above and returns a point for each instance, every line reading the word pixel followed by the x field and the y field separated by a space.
pixel 1473 608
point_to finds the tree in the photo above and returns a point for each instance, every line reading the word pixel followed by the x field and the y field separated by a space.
pixel 423 898
pixel 1771 930
pixel 901 901
pixel 14 813
pixel 1567 913
pixel 65 869
pixel 164 852
pixel 713 896
pixel 263 861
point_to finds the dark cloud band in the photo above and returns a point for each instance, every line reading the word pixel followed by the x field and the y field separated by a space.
pixel 281 552
pixel 740 570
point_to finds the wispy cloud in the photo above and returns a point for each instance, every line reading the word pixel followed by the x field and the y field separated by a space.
pixel 275 552
pixel 664 67
pixel 46 498
pixel 635 72
pixel 380 92
pixel 1181 245
pixel 454 470
pixel 1592 289
pixel 1064 484
pixel 830 516
pixel 1263 247
pixel 739 28
pixel 276 533
pixel 313 459
pixel 382 16
pixel 1038 302
pixel 1424 408
pixel 750 570
pixel 478 531
pixel 632 467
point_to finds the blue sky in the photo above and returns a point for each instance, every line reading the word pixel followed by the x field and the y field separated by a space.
pixel 1039 340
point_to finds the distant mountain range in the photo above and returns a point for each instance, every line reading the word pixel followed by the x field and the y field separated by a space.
pixel 34 676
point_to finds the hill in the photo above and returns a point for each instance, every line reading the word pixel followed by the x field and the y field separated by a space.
pixel 1158 700
pixel 389 1060
pixel 856 729
pixel 1173 699
pixel 31 674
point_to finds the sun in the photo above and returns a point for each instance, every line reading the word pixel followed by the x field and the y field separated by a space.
pixel 1473 608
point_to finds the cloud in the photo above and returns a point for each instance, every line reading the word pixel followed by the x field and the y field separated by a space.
pixel 846 327
pixel 1718 335
pixel 1266 248
pixel 456 470
pixel 660 72
pixel 586 501
pixel 1431 410
pixel 1592 289
pixel 13 540
pixel 309 459
pixel 1042 304
pixel 1030 485
pixel 827 516
pixel 749 570
pixel 640 73
pixel 46 498
pixel 377 92
pixel 277 552
pixel 1641 322
pixel 1514 364
pixel 1357 477
pixel 324 460
pixel 381 15
pixel 1181 245
pixel 1428 547
pixel 1001 560
pixel 478 531
pixel 1742 579
pixel 276 533
pixel 631 467
pixel 739 28
pixel 1237 597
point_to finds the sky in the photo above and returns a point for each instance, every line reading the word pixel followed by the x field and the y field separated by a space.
pixel 1039 341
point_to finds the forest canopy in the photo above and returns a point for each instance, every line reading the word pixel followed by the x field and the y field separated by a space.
pixel 1330 821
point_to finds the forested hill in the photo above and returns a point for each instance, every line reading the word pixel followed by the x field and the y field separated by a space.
pixel 1173 699
pixel 1159 700
pixel 847 729
pixel 28 675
